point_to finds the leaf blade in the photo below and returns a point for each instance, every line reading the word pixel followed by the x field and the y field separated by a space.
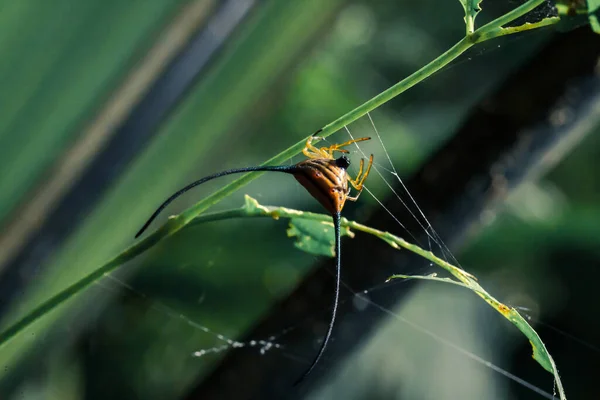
pixel 315 237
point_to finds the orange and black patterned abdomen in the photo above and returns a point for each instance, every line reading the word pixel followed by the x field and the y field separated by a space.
pixel 325 181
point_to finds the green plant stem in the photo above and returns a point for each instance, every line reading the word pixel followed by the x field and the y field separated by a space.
pixel 336 125
pixel 76 288
pixel 486 32
pixel 174 224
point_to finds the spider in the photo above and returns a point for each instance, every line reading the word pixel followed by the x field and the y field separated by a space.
pixel 327 180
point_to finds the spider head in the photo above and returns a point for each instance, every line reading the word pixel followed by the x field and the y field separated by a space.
pixel 342 162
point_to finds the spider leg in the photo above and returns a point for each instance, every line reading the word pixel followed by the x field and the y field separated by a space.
pixel 364 176
pixel 311 151
pixel 360 178
pixel 338 147
pixel 322 152
pixel 349 142
pixel 360 168
pixel 329 150
pixel 354 182
pixel 353 198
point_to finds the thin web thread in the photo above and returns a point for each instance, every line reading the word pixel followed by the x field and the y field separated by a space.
pixel 376 168
pixel 447 342
pixel 590 346
pixel 268 344
pixel 439 240
pixel 264 345
pixel 426 225
pixel 464 352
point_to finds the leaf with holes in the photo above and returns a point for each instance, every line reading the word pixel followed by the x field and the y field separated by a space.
pixel 315 237
pixel 472 8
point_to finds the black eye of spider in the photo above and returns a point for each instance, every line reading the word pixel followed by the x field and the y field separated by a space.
pixel 342 162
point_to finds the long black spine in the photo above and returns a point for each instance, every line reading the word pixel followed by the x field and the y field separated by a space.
pixel 276 168
pixel 338 271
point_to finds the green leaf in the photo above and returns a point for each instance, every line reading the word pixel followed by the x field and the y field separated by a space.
pixel 251 206
pixel 592 8
pixel 472 8
pixel 540 352
pixel 315 237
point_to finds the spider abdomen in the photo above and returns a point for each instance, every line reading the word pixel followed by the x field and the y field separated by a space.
pixel 325 181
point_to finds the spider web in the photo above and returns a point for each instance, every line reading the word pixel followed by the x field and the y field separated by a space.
pixel 415 322
pixel 435 244
pixel 276 342
pixel 272 343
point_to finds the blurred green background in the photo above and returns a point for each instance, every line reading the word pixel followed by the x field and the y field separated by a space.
pixel 286 69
